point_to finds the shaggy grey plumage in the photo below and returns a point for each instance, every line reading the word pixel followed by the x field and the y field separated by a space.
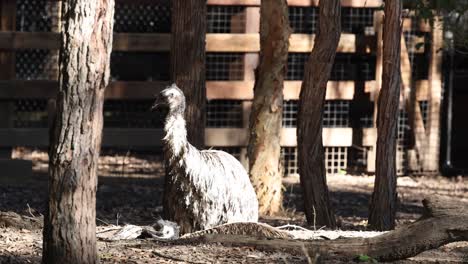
pixel 203 188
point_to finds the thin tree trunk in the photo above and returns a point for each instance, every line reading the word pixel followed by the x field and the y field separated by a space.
pixel 188 62
pixel 309 131
pixel 383 202
pixel 266 117
pixel 188 72
pixel 70 227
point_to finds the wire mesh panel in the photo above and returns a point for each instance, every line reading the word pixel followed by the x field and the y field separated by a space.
pixel 143 17
pixel 402 143
pixel 131 114
pixel 35 64
pixel 30 113
pixel 140 66
pixel 303 19
pixel 225 19
pixel 36 15
pixel 335 160
pixel 335 113
pixel 345 67
pixel 356 20
pixel 224 66
pixel 424 106
pixel 224 113
pixel 295 65
pixel 290 109
pixel 289 161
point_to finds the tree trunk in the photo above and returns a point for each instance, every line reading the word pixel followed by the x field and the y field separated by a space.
pixel 443 222
pixel 266 117
pixel 188 72
pixel 383 202
pixel 188 62
pixel 70 221
pixel 309 131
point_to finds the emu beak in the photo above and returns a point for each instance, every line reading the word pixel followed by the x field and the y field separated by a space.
pixel 157 102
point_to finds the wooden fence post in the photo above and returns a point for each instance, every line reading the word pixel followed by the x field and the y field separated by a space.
pixel 252 25
pixel 374 94
pixel 435 97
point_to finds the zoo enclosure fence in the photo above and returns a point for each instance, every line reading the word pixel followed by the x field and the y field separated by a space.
pixel 28 54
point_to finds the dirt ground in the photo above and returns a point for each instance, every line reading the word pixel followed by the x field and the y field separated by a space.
pixel 130 191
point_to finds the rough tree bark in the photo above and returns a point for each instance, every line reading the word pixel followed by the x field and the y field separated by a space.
pixel 267 108
pixel 70 221
pixel 188 72
pixel 309 131
pixel 188 62
pixel 383 202
pixel 443 222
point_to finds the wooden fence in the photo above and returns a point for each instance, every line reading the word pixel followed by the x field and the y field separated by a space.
pixel 422 156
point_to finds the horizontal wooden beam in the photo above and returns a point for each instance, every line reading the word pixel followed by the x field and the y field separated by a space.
pixel 112 137
pixel 422 89
pixel 215 42
pixel 229 90
pixel 238 137
pixel 243 90
pixel 139 137
pixel 43 89
pixel 29 40
pixel 345 3
pixel 251 42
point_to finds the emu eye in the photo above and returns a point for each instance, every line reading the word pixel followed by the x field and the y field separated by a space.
pixel 170 95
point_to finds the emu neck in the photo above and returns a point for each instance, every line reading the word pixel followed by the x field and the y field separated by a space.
pixel 176 134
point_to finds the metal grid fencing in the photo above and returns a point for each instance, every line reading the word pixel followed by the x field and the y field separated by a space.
pixel 36 15
pixel 36 64
pixel 41 15
pixel 289 161
pixel 336 159
pixel 345 67
pixel 335 113
pixel 357 20
pixel 30 113
pixel 143 18
pixel 140 66
pixel 224 113
pixel 224 66
pixel 303 19
pixel 225 19
pixel 131 114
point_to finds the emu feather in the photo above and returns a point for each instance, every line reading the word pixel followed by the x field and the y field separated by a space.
pixel 203 188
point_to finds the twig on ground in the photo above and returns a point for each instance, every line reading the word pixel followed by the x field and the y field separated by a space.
pixel 30 211
pixel 159 254
pixel 293 226
pixel 104 222
pixel 109 229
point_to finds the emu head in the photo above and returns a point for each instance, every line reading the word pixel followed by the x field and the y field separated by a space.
pixel 173 98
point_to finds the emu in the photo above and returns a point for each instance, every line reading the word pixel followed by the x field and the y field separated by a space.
pixel 203 188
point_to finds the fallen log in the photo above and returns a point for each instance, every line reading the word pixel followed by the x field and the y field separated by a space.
pixel 442 222
pixel 14 220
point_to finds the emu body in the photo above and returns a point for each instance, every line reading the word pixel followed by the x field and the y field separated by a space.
pixel 203 188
